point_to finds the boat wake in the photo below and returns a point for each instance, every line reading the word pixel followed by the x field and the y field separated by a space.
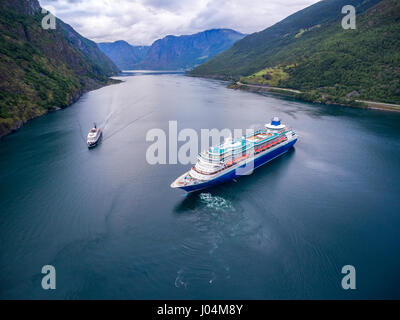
pixel 126 126
pixel 216 203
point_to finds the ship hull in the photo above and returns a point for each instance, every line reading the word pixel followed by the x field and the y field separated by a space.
pixel 259 161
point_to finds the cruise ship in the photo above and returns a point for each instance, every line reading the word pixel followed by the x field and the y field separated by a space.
pixel 235 158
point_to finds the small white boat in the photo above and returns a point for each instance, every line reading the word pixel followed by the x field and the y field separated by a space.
pixel 93 137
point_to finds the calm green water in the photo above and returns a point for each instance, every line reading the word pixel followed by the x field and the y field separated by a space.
pixel 113 228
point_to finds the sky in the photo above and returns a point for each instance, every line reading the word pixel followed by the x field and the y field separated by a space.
pixel 141 22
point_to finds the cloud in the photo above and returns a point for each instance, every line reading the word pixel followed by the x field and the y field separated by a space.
pixel 140 22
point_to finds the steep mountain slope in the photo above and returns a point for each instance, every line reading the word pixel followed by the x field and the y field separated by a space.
pixel 336 65
pixel 124 55
pixel 187 51
pixel 253 52
pixel 41 70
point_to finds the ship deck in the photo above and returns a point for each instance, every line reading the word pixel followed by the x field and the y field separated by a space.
pixel 250 141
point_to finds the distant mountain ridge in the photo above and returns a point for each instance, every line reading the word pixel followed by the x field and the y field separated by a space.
pixel 124 55
pixel 188 51
pixel 42 70
pixel 173 52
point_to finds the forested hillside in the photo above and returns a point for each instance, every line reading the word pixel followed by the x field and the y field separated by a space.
pixel 42 70
pixel 335 64
pixel 327 62
pixel 253 52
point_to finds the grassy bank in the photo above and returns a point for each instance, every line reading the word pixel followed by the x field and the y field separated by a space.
pixel 315 97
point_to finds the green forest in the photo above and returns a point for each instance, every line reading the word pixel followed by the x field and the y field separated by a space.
pixel 43 70
pixel 329 63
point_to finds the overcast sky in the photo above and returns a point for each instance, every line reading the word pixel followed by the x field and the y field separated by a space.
pixel 140 22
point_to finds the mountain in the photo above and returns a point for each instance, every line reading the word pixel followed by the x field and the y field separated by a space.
pixel 124 55
pixel 253 52
pixel 187 51
pixel 317 56
pixel 42 70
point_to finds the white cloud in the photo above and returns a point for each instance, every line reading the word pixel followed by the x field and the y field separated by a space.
pixel 140 22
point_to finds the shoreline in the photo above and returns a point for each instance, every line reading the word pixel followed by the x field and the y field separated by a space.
pixel 19 124
pixel 374 105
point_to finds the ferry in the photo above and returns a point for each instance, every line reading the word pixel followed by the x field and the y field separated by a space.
pixel 235 158
pixel 93 137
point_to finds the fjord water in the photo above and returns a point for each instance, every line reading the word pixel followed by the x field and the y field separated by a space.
pixel 113 228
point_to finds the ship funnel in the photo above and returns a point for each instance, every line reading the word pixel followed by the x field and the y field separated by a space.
pixel 275 124
pixel 276 121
